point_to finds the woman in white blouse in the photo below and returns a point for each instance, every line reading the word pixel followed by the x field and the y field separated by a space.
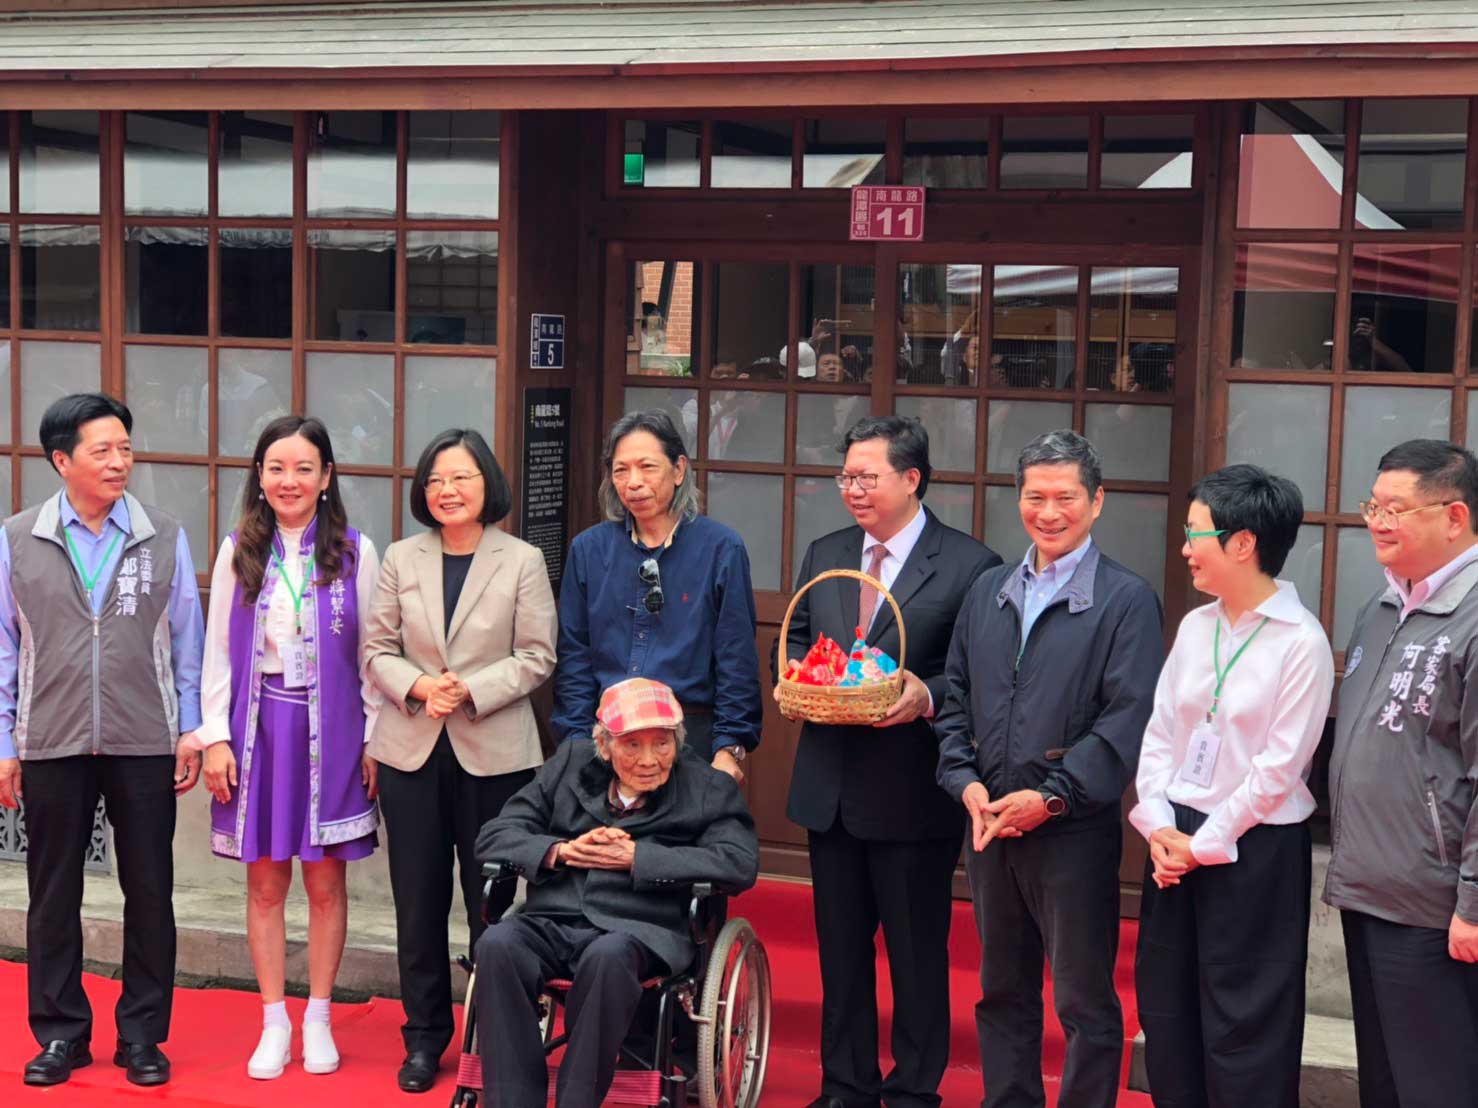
pixel 286 712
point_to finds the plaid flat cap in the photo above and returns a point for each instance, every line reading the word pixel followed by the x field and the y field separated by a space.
pixel 638 703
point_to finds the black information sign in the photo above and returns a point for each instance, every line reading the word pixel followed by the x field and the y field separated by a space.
pixel 546 472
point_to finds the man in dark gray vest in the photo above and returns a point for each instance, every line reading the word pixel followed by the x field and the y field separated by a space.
pixel 101 637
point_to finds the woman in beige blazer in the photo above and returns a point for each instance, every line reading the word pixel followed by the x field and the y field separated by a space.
pixel 460 632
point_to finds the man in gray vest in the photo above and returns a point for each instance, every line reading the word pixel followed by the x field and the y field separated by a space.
pixel 101 639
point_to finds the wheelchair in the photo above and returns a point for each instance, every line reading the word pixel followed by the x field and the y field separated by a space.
pixel 725 992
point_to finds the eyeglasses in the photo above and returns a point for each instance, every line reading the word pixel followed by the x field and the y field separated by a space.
pixel 651 577
pixel 864 481
pixel 1192 535
pixel 1375 515
pixel 459 481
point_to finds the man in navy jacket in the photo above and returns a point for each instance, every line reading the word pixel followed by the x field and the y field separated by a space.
pixel 1051 678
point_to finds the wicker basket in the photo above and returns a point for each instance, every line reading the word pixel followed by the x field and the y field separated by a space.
pixel 830 703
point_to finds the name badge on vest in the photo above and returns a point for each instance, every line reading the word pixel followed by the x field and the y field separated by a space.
pixel 294 664
pixel 1200 757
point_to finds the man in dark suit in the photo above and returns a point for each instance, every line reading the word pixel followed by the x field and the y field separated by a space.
pixel 883 837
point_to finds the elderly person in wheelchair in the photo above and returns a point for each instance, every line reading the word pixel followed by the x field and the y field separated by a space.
pixel 611 836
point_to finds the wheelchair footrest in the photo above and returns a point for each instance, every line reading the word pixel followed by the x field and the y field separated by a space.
pixel 630 1086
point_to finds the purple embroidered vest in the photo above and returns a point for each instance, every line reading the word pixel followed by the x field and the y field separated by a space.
pixel 339 809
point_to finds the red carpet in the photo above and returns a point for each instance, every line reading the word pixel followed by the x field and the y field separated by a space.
pixel 215 1030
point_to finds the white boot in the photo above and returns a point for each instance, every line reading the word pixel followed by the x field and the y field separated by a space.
pixel 272 1055
pixel 320 1055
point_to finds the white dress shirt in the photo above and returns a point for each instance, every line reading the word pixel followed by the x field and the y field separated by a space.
pixel 1414 598
pixel 281 626
pixel 1270 718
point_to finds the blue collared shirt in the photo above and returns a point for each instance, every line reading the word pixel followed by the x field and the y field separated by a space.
pixel 186 624
pixel 701 644
pixel 1042 588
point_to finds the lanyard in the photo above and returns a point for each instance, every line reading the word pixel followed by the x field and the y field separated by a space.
pixel 88 582
pixel 295 593
pixel 1221 674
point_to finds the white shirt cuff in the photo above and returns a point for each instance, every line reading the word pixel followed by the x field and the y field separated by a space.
pixel 1148 816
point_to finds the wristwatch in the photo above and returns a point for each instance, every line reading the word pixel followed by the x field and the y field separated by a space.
pixel 737 751
pixel 1055 804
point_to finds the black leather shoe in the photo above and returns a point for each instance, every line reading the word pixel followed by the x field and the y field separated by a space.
pixel 145 1062
pixel 56 1062
pixel 827 1102
pixel 418 1071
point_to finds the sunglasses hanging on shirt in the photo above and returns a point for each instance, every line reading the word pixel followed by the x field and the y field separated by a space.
pixel 651 577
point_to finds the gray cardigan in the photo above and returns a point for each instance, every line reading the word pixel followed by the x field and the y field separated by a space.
pixel 695 828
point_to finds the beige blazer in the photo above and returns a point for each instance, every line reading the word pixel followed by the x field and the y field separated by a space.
pixel 501 644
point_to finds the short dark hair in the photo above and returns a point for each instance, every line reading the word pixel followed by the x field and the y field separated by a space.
pixel 1442 469
pixel 1249 498
pixel 1062 447
pixel 61 424
pixel 908 443
pixel 497 499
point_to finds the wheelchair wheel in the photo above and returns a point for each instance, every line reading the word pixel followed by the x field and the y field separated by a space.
pixel 464 1096
pixel 734 1020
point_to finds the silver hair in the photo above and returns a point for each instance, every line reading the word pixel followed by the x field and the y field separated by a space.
pixel 686 503
pixel 1062 447
pixel 601 735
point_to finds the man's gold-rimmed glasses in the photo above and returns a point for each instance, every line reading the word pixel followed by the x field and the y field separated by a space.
pixel 1377 516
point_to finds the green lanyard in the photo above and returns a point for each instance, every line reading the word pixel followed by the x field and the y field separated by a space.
pixel 88 582
pixel 1221 674
pixel 295 592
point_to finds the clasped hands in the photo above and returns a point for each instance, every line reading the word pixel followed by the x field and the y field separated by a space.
pixel 1170 851
pixel 599 848
pixel 442 695
pixel 1010 817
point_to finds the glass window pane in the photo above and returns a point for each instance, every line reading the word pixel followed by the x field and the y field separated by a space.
pixel 1292 164
pixel 353 285
pixel 165 163
pixel 230 481
pixel 680 405
pixel 1131 530
pixel 837 319
pixel 168 390
pixel 447 392
pixel 256 387
pixel 753 506
pixel 1132 329
pixel 662 153
pixel 184 492
pixel 751 309
pixel 840 153
pixel 256 282
pixel 4 408
pixel 821 420
pixel 1284 429
pixel 818 511
pixel 4 275
pixel 50 371
pixel 1044 152
pixel 1403 308
pixel 939 324
pixel 409 525
pixel 59 162
pixel 662 309
pixel 1146 152
pixel 1357 577
pixel 5 163
pixel 947 153
pixel 38 481
pixel 165 278
pixel 1014 423
pixel 255 170
pixel 951 427
pixel 1283 306
pixel 1035 320
pixel 354 395
pixel 452 167
pixel 1132 439
pixel 1412 154
pixel 751 154
pixel 953 504
pixel 1376 420
pixel 1305 566
pixel 1472 436
pixel 451 290
pixel 5 485
pixel 351 165
pixel 367 503
pixel 60 278
pixel 746 426
pixel 1003 530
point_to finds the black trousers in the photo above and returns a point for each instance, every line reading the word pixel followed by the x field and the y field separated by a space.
pixel 857 885
pixel 1416 1016
pixel 1054 895
pixel 430 816
pixel 60 796
pixel 1219 973
pixel 514 959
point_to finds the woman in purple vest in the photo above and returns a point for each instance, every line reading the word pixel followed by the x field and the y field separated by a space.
pixel 286 712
